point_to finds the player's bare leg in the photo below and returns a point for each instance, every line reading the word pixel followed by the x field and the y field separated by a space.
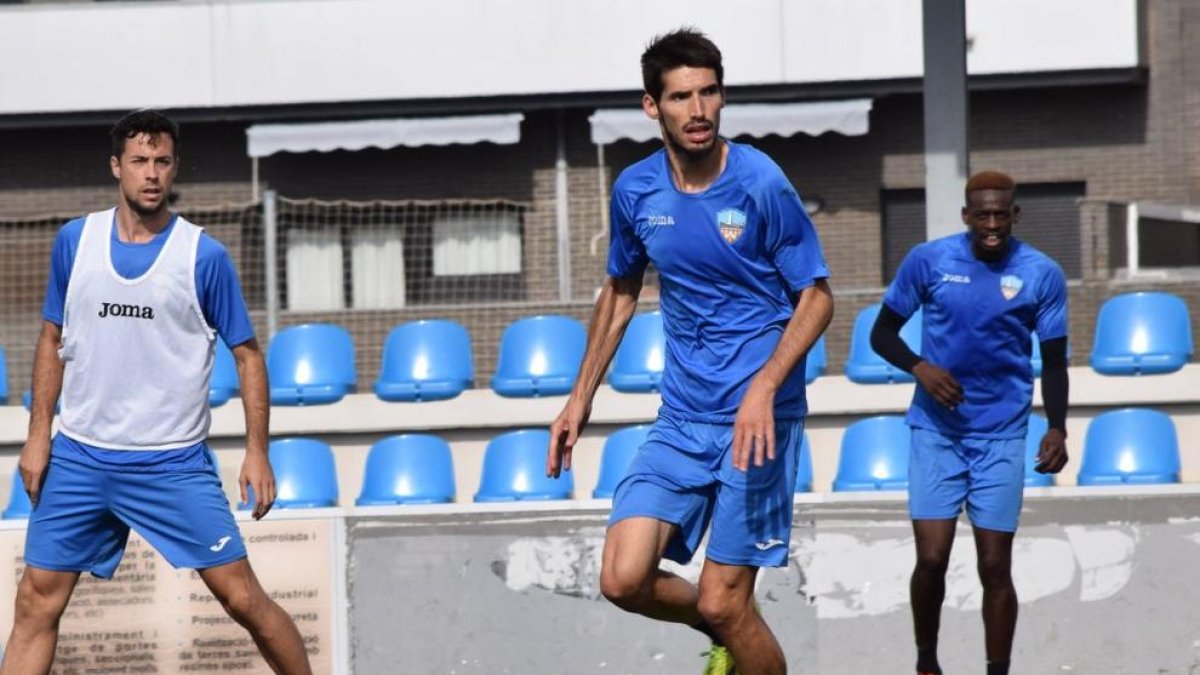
pixel 42 597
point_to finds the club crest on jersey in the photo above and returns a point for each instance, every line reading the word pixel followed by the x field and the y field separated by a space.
pixel 731 223
pixel 1010 286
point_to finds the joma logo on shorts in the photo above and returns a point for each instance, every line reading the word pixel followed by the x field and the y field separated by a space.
pixel 132 311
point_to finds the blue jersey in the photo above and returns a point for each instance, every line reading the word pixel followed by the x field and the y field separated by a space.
pixel 730 260
pixel 978 317
pixel 220 297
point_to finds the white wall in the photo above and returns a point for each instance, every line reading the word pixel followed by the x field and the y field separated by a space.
pixel 200 53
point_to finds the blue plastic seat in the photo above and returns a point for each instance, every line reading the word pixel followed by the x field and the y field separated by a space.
pixel 874 455
pixel 18 500
pixel 3 377
pixel 425 361
pixel 1130 446
pixel 408 469
pixel 1033 443
pixel 638 363
pixel 305 474
pixel 311 364
pixel 224 382
pixel 514 468
pixel 1142 334
pixel 539 356
pixel 619 449
pixel 804 468
pixel 865 366
pixel 814 365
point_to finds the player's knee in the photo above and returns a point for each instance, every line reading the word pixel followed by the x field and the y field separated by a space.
pixel 39 605
pixel 719 607
pixel 242 604
pixel 995 572
pixel 932 561
pixel 625 590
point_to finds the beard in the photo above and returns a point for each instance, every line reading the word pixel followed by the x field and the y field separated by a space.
pixel 143 210
pixel 691 153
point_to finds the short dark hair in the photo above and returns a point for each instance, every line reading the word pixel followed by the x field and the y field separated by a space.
pixel 144 121
pixel 684 47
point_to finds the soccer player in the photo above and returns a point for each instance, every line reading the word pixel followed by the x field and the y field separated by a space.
pixel 134 304
pixel 984 293
pixel 743 298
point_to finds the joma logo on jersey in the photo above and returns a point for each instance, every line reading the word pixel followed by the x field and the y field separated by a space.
pixel 132 311
pixel 731 223
pixel 956 278
pixel 659 221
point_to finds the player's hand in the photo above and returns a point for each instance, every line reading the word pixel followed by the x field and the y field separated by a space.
pixel 257 474
pixel 1052 455
pixel 754 427
pixel 35 457
pixel 940 384
pixel 564 433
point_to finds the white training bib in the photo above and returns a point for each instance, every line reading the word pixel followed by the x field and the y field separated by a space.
pixel 137 353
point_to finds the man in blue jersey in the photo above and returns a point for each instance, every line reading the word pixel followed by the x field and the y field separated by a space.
pixel 743 298
pixel 135 301
pixel 984 293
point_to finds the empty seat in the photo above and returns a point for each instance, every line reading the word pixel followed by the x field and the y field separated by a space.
pixel 224 382
pixel 638 363
pixel 1130 446
pixel 1142 334
pixel 425 361
pixel 814 365
pixel 514 468
pixel 408 469
pixel 619 449
pixel 804 468
pixel 539 356
pixel 1033 443
pixel 311 364
pixel 864 365
pixel 874 455
pixel 305 474
pixel 18 500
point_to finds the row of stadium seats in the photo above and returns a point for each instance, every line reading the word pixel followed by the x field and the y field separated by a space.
pixel 1128 446
pixel 1136 334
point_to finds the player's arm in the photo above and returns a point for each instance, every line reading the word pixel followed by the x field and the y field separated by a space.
pixel 886 341
pixel 1052 454
pixel 47 385
pixel 256 468
pixel 614 309
pixel 754 427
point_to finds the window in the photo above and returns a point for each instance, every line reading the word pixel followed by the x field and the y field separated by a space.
pixel 1165 240
pixel 477 243
pixel 1049 222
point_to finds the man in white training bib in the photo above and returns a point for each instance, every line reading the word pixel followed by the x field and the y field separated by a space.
pixel 135 301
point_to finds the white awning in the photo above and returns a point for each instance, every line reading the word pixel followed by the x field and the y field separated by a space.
pixel 267 139
pixel 849 118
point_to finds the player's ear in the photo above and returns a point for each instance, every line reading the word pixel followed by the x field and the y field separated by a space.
pixel 650 106
pixel 1016 210
pixel 115 164
pixel 966 216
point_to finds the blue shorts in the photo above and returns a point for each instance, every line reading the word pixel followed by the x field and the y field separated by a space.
pixel 684 475
pixel 987 474
pixel 82 519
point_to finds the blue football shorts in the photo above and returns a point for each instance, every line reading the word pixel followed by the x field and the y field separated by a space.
pixel 83 516
pixel 684 475
pixel 988 475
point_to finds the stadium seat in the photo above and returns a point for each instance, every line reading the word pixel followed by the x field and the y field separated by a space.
pixel 539 356
pixel 814 365
pixel 1143 333
pixel 3 377
pixel 18 500
pixel 305 474
pixel 804 468
pixel 425 361
pixel 865 366
pixel 224 383
pixel 1130 446
pixel 1033 443
pixel 408 469
pixel 311 364
pixel 619 449
pixel 638 363
pixel 874 455
pixel 514 468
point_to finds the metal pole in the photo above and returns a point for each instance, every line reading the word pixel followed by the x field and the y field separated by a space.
pixel 562 215
pixel 947 162
pixel 270 248
pixel 602 230
pixel 1132 252
pixel 254 179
